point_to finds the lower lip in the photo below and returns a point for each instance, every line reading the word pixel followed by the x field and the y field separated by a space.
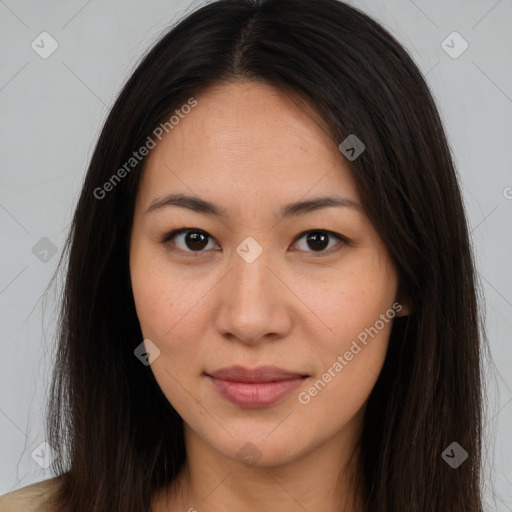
pixel 255 394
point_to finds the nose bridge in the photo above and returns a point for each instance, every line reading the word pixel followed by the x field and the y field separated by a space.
pixel 250 306
pixel 251 277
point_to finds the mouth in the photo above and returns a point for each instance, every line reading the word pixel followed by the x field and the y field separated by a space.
pixel 261 387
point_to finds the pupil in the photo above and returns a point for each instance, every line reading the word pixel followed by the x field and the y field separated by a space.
pixel 196 238
pixel 319 240
pixel 323 242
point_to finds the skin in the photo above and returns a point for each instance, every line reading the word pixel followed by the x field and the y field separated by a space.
pixel 250 149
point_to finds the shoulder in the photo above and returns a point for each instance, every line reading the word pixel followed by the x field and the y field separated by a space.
pixel 31 498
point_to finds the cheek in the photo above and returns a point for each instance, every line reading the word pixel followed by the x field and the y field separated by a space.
pixel 349 300
pixel 160 293
pixel 153 297
pixel 351 327
pixel 170 306
pixel 350 360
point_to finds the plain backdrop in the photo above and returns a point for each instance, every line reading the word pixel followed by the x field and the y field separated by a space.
pixel 52 110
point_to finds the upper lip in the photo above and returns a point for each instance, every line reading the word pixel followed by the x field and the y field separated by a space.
pixel 260 374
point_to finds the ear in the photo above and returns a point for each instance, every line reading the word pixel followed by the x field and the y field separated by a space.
pixel 403 306
pixel 405 310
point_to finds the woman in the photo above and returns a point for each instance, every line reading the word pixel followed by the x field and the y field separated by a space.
pixel 270 302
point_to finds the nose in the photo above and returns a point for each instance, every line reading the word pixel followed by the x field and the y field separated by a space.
pixel 254 303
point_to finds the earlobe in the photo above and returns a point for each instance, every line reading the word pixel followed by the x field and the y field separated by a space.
pixel 402 307
pixel 404 310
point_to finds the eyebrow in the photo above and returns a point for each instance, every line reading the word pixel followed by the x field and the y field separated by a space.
pixel 203 206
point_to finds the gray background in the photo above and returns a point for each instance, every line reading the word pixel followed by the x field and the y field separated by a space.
pixel 53 109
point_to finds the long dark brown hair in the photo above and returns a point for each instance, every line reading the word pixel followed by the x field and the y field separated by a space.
pixel 117 437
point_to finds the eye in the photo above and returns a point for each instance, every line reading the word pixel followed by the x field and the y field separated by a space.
pixel 192 240
pixel 318 240
pixel 195 240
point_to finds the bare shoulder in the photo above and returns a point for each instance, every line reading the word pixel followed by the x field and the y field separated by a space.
pixel 31 498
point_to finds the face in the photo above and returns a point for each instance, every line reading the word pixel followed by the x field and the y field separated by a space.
pixel 310 291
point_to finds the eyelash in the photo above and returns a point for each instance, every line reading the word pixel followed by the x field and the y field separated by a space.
pixel 171 235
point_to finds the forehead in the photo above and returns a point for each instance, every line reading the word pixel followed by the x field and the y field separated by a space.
pixel 250 138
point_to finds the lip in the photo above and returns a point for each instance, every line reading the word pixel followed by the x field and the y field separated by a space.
pixel 256 388
pixel 261 374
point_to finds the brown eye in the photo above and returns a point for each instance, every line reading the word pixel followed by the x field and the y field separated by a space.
pixel 195 241
pixel 188 240
pixel 318 241
pixel 191 240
